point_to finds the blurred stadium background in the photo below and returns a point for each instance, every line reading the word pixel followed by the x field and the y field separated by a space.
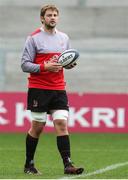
pixel 99 30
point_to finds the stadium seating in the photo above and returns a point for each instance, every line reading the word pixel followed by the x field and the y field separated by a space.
pixel 99 31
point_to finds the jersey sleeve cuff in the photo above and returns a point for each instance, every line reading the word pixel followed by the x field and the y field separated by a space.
pixel 42 67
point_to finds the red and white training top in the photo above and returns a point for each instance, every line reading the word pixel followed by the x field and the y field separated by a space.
pixel 41 47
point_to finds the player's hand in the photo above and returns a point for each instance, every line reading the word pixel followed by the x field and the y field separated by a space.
pixel 52 66
pixel 71 66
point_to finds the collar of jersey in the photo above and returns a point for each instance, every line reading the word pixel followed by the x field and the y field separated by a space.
pixel 42 29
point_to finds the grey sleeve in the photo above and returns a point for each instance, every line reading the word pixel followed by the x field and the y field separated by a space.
pixel 28 56
pixel 68 44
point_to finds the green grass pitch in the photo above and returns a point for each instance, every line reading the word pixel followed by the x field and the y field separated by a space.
pixel 99 154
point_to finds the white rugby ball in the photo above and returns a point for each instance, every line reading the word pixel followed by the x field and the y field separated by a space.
pixel 68 57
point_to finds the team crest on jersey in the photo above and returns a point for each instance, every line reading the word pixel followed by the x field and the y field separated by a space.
pixel 35 103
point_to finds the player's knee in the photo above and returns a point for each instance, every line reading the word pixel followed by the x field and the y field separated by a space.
pixel 35 132
pixel 39 130
pixel 36 128
pixel 61 126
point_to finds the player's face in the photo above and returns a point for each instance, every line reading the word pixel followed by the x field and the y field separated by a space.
pixel 50 19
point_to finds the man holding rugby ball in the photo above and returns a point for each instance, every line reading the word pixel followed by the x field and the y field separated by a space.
pixel 46 88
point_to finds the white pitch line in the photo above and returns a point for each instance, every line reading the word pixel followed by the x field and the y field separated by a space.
pixel 99 171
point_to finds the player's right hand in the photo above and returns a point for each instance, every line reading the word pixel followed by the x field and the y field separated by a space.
pixel 52 66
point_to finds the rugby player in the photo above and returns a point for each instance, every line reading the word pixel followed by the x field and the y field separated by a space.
pixel 46 88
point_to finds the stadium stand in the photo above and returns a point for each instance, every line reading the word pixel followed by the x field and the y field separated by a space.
pixel 98 29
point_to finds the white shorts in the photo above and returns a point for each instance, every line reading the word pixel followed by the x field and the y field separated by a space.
pixel 56 114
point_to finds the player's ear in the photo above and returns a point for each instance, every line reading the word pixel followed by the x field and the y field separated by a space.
pixel 42 20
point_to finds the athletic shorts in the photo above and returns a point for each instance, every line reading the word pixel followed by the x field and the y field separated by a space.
pixel 41 100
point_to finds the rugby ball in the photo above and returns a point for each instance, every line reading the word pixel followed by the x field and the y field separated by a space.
pixel 68 57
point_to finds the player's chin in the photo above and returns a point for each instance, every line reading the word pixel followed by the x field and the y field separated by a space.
pixel 52 25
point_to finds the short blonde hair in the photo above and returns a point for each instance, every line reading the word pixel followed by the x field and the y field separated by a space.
pixel 46 7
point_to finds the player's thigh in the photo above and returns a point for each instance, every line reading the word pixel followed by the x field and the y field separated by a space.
pixel 38 120
pixel 60 120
